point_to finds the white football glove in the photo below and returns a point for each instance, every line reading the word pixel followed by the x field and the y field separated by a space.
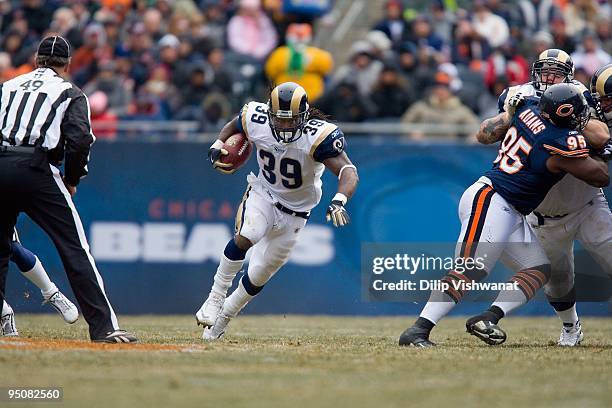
pixel 514 102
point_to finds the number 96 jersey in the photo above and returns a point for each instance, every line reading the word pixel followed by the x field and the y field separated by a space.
pixel 291 172
pixel 519 172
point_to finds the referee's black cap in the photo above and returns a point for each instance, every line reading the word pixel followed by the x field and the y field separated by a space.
pixel 54 46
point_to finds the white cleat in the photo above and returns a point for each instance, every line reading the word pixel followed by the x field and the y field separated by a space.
pixel 571 336
pixel 217 330
pixel 64 307
pixel 209 311
pixel 7 323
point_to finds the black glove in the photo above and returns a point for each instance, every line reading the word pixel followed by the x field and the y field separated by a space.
pixel 337 214
pixel 606 152
pixel 215 153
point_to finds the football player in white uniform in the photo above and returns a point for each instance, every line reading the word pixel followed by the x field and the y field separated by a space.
pixel 294 146
pixel 572 209
pixel 31 267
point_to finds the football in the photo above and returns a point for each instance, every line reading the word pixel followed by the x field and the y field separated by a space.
pixel 238 148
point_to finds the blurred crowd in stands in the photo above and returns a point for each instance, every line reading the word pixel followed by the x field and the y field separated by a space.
pixel 445 61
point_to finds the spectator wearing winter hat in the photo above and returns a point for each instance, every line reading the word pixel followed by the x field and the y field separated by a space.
pixel 117 88
pixel 440 107
pixel 393 24
pixel 391 95
pixel 362 69
pixel 345 103
pixel 423 35
pixel 442 20
pixel 94 48
pixel 173 61
pixel 299 62
pixel 381 45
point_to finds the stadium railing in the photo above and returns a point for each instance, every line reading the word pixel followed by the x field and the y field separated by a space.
pixel 190 131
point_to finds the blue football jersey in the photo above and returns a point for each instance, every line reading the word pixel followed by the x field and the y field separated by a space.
pixel 519 172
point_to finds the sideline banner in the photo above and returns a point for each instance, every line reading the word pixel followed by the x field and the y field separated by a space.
pixel 158 217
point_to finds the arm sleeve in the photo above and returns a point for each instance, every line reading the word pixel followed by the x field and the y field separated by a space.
pixel 333 145
pixel 568 144
pixel 76 130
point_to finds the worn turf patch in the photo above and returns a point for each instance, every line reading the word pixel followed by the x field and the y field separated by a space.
pixel 19 343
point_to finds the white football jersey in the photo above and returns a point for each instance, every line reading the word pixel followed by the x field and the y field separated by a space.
pixel 291 172
pixel 569 194
pixel 528 89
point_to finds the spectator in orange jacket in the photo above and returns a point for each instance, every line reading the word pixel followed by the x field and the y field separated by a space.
pixel 298 62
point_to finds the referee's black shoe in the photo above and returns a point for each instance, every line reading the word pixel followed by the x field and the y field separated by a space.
pixel 116 337
pixel 417 337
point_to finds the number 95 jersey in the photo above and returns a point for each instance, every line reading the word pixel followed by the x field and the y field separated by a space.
pixel 519 172
pixel 291 172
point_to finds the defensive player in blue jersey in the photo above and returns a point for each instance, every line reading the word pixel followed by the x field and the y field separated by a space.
pixel 572 210
pixel 542 143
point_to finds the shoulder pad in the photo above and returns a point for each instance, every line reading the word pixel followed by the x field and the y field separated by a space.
pixel 330 143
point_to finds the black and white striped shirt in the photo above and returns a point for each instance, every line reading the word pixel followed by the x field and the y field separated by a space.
pixel 40 108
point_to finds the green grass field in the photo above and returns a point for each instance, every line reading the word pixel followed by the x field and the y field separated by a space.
pixel 297 361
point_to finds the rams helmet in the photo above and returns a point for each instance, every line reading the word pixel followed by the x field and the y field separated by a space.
pixel 550 65
pixel 288 111
pixel 565 106
pixel 601 89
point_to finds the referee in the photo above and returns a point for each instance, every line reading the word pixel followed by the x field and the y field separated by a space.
pixel 44 121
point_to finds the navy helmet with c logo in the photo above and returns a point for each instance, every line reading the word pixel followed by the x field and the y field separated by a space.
pixel 565 106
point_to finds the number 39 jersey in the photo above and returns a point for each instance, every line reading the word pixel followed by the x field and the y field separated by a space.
pixel 519 172
pixel 291 172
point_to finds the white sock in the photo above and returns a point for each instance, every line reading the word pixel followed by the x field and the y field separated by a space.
pixel 38 276
pixel 226 272
pixel 509 300
pixel 438 306
pixel 6 308
pixel 569 316
pixel 236 301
